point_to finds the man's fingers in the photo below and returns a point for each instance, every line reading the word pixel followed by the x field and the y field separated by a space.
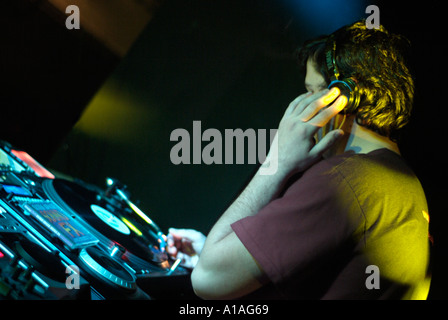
pixel 188 238
pixel 326 143
pixel 182 233
pixel 292 106
pixel 327 114
pixel 310 110
pixel 310 101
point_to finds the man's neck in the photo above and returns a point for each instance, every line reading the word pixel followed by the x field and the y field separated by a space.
pixel 358 139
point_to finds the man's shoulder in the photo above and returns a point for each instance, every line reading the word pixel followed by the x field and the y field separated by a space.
pixel 376 173
pixel 380 162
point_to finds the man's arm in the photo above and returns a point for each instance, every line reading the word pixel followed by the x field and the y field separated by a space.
pixel 226 270
pixel 224 254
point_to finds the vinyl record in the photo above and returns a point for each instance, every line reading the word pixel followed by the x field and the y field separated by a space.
pixel 108 221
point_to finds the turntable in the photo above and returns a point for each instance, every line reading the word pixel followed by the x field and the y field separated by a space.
pixel 110 220
pixel 49 224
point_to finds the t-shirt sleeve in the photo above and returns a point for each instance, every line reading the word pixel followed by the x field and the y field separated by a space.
pixel 301 230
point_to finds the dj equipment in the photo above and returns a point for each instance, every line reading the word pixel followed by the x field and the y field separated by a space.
pixel 66 239
pixel 347 86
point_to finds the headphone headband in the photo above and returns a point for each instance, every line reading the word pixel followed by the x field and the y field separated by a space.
pixel 330 58
pixel 347 86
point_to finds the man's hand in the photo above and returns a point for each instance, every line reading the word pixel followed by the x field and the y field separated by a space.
pixel 295 148
pixel 185 244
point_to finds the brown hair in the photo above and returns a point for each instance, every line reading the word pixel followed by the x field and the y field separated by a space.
pixel 375 59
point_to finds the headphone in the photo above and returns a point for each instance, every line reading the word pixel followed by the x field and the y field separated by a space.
pixel 347 86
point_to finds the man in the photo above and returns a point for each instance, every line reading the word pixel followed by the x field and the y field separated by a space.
pixel 343 217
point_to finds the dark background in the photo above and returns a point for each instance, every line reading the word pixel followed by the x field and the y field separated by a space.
pixel 83 111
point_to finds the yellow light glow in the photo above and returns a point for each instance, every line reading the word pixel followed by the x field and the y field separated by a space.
pixel 132 227
pixel 115 114
pixel 425 215
pixel 329 98
pixel 140 213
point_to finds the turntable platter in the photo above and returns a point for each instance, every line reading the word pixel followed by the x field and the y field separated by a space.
pixel 108 221
pixel 96 261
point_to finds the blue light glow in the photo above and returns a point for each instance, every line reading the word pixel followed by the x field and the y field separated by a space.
pixel 325 16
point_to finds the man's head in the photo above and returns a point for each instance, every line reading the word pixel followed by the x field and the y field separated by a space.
pixel 374 60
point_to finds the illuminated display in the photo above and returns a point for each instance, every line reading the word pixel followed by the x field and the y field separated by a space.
pixel 33 164
pixel 67 229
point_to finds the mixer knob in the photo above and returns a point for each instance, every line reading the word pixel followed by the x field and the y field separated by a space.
pixel 117 251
